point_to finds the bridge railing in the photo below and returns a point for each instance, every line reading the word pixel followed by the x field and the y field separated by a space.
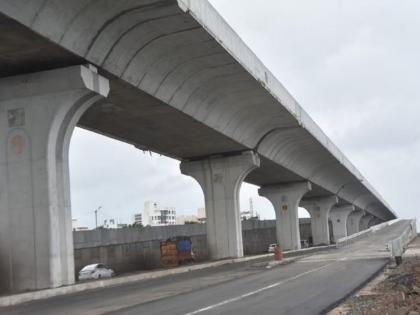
pixel 398 246
pixel 346 241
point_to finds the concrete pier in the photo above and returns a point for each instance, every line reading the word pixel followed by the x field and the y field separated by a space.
pixel 319 209
pixel 374 221
pixel 285 200
pixel 221 179
pixel 338 216
pixel 364 222
pixel 353 222
pixel 38 113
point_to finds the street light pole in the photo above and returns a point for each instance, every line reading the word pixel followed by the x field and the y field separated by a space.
pixel 96 216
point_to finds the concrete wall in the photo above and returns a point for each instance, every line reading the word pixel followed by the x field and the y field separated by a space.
pixel 131 249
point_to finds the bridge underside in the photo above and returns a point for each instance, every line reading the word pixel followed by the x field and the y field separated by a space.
pixel 131 115
pixel 136 117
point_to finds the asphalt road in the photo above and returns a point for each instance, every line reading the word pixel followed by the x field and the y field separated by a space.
pixel 310 285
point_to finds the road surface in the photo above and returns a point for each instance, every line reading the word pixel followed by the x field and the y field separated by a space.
pixel 310 285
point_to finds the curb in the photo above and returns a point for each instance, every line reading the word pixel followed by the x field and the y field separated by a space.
pixel 20 298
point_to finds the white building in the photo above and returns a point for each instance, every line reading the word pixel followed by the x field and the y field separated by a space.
pixel 156 215
pixel 201 213
pixel 77 227
pixel 110 224
pixel 246 215
pixel 138 219
pixel 181 219
pixel 113 224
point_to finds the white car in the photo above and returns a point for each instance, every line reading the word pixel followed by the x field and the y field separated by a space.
pixel 271 248
pixel 95 271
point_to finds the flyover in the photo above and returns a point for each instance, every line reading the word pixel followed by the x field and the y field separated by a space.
pixel 167 76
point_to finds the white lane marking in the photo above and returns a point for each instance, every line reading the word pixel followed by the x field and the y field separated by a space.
pixel 316 260
pixel 240 297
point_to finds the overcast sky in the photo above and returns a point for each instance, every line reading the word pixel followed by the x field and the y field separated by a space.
pixel 352 65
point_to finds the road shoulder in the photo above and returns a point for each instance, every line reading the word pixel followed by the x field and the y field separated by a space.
pixel 396 290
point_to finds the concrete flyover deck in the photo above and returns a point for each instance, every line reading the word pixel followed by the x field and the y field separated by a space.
pixel 182 84
pixel 310 285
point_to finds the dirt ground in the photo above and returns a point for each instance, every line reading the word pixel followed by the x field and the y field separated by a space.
pixel 394 292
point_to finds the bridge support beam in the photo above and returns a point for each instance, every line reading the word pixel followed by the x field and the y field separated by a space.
pixel 220 179
pixel 285 200
pixel 364 222
pixel 353 222
pixel 338 218
pixel 38 113
pixel 319 209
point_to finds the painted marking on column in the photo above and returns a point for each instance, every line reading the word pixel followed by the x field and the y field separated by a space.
pixel 16 117
pixel 17 144
pixel 243 296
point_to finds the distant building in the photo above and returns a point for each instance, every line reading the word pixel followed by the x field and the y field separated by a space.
pixel 181 219
pixel 82 228
pixel 74 224
pixel 76 227
pixel 138 219
pixel 201 215
pixel 113 224
pixel 250 214
pixel 156 215
pixel 110 224
pixel 246 215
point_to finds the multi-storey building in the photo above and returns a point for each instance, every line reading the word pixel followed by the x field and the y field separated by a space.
pixel 156 215
pixel 189 218
pixel 138 219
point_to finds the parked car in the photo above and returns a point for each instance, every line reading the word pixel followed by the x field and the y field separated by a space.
pixel 95 271
pixel 271 248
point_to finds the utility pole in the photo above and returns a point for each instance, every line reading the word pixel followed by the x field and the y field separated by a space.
pixel 96 216
pixel 251 207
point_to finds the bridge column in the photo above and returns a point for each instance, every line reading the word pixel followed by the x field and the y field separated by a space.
pixel 319 209
pixel 221 179
pixel 374 221
pixel 364 222
pixel 338 218
pixel 38 113
pixel 353 222
pixel 285 200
